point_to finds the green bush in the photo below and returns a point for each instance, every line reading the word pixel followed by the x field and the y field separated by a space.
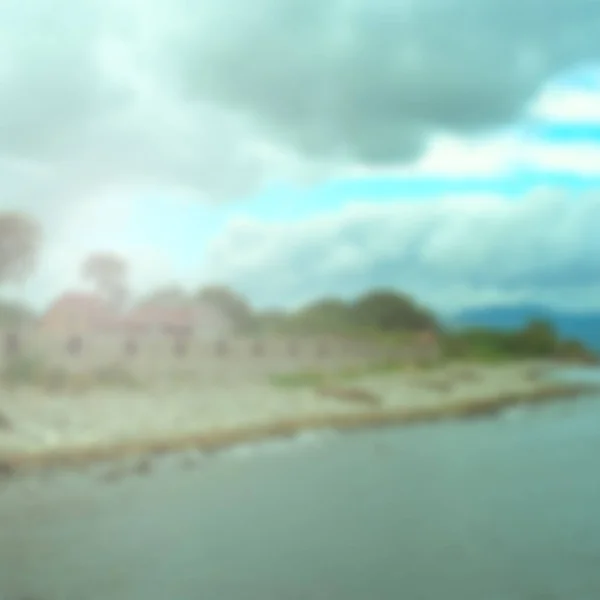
pixel 31 371
pixel 22 370
pixel 537 339
pixel 113 376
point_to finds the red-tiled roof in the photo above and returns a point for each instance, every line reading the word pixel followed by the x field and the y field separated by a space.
pixel 78 300
pixel 79 309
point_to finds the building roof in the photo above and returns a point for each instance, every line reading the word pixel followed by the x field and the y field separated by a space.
pixel 79 307
pixel 148 315
pixel 175 316
pixel 80 310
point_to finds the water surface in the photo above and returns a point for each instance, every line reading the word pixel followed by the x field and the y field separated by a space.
pixel 502 509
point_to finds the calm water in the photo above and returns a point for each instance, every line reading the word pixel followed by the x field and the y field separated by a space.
pixel 503 509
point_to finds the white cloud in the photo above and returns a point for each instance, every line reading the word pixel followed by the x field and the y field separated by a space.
pixel 516 149
pixel 451 252
pixel 568 104
pixel 581 158
pixel 129 95
pixel 172 93
pixel 98 223
pixel 459 157
pixel 572 104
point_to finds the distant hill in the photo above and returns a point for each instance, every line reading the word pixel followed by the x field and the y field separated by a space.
pixel 582 326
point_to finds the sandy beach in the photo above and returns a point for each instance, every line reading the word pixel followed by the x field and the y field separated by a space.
pixel 40 429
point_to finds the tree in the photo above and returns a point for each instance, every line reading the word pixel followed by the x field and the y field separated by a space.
pixel 231 304
pixel 272 321
pixel 387 311
pixel 171 295
pixel 329 315
pixel 20 238
pixel 108 272
pixel 538 338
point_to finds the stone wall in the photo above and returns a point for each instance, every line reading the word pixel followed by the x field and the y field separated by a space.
pixel 160 355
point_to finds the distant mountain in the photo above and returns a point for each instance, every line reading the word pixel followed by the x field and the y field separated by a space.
pixel 582 326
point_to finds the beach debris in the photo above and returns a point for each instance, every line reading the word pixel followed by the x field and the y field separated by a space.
pixel 350 394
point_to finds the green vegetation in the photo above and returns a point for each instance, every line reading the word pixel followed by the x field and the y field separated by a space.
pixel 537 339
pixel 382 317
pixel 32 372
pixel 233 306
pixel 300 379
pixel 22 371
pixel 380 314
pixel 313 378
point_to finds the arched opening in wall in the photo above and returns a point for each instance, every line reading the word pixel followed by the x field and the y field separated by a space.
pixel 221 348
pixel 11 344
pixel 75 345
pixel 131 348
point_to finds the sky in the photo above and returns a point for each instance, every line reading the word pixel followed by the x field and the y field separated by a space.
pixel 300 149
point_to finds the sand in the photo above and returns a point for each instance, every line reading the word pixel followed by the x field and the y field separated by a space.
pixel 41 429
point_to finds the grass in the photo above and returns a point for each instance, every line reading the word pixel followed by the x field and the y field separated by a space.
pixel 301 379
pixel 30 371
pixel 21 371
pixel 317 378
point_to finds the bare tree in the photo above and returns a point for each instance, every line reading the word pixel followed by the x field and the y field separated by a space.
pixel 20 239
pixel 108 273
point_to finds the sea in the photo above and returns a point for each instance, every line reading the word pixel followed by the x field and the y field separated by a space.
pixel 502 508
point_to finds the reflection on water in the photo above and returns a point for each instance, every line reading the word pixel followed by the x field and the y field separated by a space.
pixel 502 509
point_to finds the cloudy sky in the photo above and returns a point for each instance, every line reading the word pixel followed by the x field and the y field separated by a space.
pixel 300 148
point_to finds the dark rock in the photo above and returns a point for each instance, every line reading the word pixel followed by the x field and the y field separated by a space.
pixel 6 469
pixel 143 467
pixel 354 395
pixel 112 475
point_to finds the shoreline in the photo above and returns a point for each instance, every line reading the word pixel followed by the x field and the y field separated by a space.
pixel 207 441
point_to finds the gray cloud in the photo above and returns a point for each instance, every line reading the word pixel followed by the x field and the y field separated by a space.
pixel 371 79
pixel 222 97
pixel 452 251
